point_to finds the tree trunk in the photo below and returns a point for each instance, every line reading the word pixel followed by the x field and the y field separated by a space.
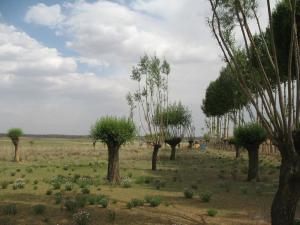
pixel 156 147
pixel 237 152
pixel 287 196
pixel 190 144
pixel 173 152
pixel 113 174
pixel 253 164
pixel 17 152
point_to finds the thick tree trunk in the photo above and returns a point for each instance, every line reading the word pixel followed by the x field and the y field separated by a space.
pixel 156 148
pixel 113 174
pixel 17 152
pixel 190 144
pixel 253 164
pixel 287 196
pixel 173 152
pixel 237 152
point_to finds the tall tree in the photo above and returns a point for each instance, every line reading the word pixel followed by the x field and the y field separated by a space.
pixel 114 132
pixel 151 74
pixel 275 113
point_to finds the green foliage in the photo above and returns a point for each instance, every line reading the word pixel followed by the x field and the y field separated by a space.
pixel 223 95
pixel 212 212
pixel 68 186
pixel 39 209
pixel 188 193
pixel 10 209
pixel 206 196
pixel 58 198
pixel 176 119
pixel 19 184
pixel 104 202
pixel 154 201
pixel 250 135
pixel 85 190
pixel 14 134
pixel 135 202
pixel 113 131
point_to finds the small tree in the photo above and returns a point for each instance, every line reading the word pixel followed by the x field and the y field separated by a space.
pixel 176 120
pixel 191 136
pixel 114 132
pixel 14 134
pixel 151 74
pixel 251 136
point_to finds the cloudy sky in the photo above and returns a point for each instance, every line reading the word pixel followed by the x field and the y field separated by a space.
pixel 63 64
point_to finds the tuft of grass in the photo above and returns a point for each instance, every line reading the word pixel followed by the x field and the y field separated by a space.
pixel 206 196
pixel 188 193
pixel 10 209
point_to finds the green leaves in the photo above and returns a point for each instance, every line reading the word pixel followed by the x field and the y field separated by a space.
pixel 252 134
pixel 113 131
pixel 14 133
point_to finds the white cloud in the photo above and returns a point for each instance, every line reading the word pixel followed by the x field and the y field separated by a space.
pixel 44 15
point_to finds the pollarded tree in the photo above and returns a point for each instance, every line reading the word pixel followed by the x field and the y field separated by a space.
pixel 114 132
pixel 176 120
pixel 151 96
pixel 14 134
pixel 251 136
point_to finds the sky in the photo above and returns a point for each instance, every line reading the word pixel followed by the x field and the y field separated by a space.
pixel 64 64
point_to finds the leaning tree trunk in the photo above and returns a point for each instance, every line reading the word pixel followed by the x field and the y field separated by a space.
pixel 17 151
pixel 253 163
pixel 113 174
pixel 287 196
pixel 156 148
pixel 173 152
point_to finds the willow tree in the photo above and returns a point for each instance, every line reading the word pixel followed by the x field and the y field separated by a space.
pixel 151 97
pixel 275 113
pixel 14 134
pixel 114 132
pixel 251 136
pixel 176 120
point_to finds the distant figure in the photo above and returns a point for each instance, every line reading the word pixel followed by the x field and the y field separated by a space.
pixel 203 146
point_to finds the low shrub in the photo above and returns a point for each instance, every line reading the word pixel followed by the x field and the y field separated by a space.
pixel 104 202
pixel 188 193
pixel 49 192
pixel 82 217
pixel 154 201
pixel 58 198
pixel 4 184
pixel 80 200
pixel 206 196
pixel 39 209
pixel 126 182
pixel 19 184
pixel 85 190
pixel 71 205
pixel 10 209
pixel 212 212
pixel 68 186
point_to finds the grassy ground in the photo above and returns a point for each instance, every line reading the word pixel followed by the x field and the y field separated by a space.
pixel 212 172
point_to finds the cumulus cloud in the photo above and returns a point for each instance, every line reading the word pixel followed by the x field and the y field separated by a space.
pixel 44 15
pixel 42 91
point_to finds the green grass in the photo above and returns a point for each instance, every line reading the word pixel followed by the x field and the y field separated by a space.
pixel 75 161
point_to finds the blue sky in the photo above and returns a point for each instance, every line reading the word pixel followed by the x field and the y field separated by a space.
pixel 66 63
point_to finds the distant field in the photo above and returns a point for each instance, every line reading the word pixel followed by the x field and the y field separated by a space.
pixel 237 202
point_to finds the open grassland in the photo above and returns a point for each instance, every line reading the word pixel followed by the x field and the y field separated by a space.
pixel 58 172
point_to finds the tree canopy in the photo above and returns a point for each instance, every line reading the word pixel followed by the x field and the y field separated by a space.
pixel 113 131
